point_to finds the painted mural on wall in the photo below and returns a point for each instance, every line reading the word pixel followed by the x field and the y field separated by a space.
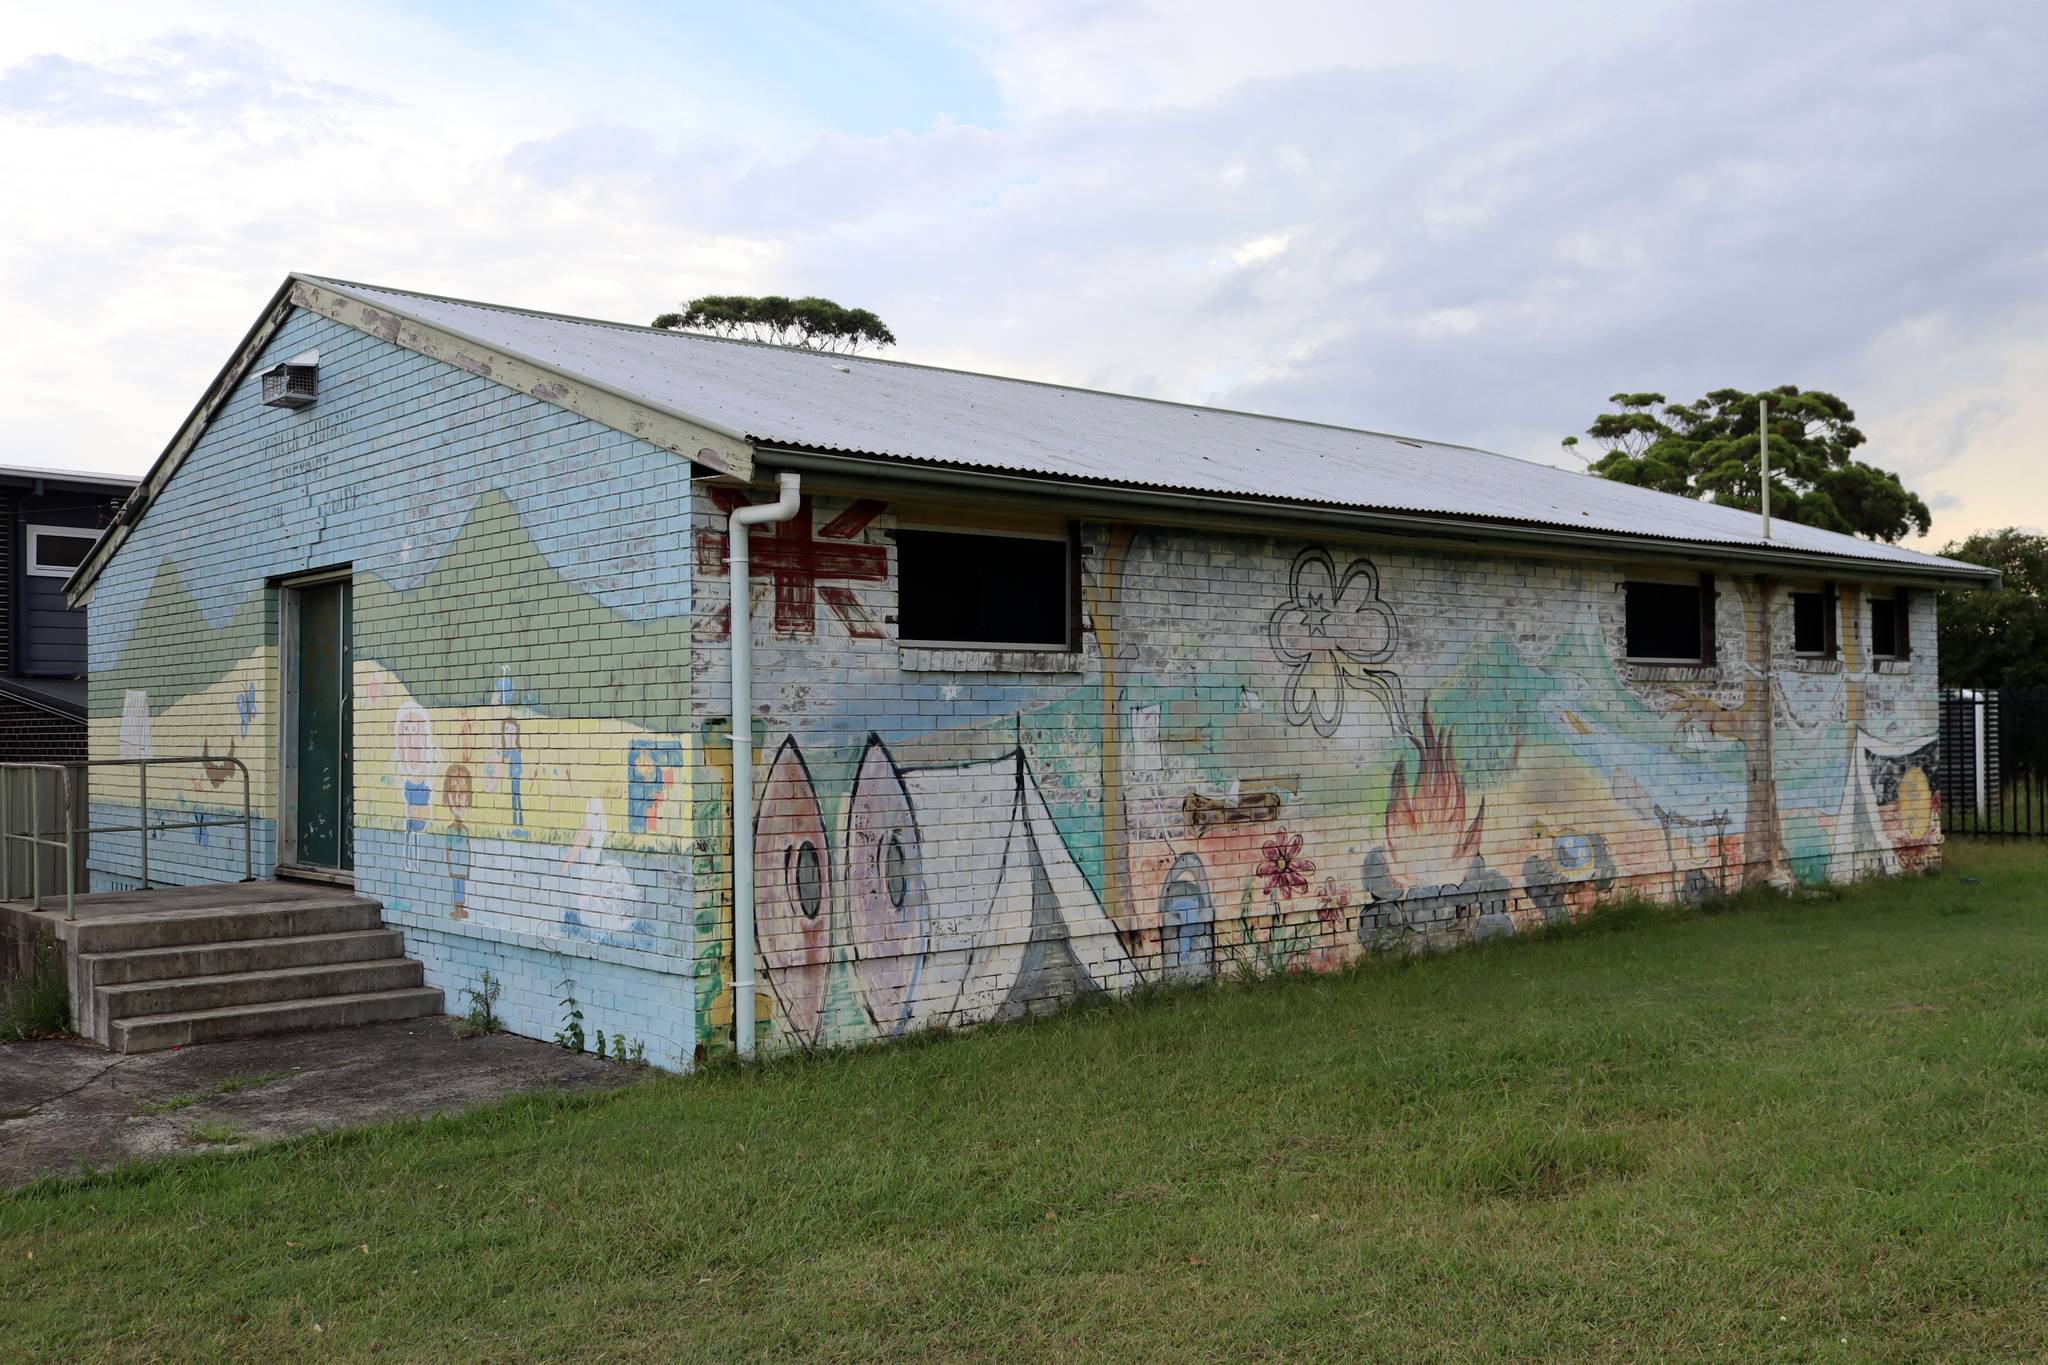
pixel 806 566
pixel 882 925
pixel 1335 635
pixel 493 808
pixel 1355 786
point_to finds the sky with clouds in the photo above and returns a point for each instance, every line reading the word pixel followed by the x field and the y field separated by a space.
pixel 1470 221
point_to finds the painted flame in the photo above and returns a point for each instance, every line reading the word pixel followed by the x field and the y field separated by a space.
pixel 1426 822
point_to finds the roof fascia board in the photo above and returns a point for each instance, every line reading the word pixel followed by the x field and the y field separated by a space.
pixel 78 589
pixel 726 451
pixel 1225 512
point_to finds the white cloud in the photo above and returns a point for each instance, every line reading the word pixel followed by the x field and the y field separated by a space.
pixel 1471 222
pixel 1257 250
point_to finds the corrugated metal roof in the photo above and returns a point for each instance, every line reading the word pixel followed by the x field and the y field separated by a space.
pixel 31 472
pixel 780 396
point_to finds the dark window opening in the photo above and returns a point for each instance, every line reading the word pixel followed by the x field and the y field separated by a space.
pixel 958 588
pixel 1813 623
pixel 1807 623
pixel 1889 619
pixel 1884 628
pixel 1671 622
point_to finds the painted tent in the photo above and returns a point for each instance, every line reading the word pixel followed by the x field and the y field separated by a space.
pixel 973 911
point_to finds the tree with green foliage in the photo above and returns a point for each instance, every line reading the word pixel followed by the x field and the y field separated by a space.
pixel 811 323
pixel 1998 638
pixel 1709 449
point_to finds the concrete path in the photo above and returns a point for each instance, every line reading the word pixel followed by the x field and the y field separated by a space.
pixel 63 1104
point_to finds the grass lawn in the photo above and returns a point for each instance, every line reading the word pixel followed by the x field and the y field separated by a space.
pixel 1809 1130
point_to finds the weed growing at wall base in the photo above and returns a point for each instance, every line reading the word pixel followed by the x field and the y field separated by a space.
pixel 1792 1129
pixel 480 1020
pixel 38 1004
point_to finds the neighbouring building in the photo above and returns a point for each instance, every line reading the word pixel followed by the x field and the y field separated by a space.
pixel 1054 691
pixel 49 519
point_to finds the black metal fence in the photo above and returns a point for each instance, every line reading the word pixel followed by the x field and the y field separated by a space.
pixel 1994 762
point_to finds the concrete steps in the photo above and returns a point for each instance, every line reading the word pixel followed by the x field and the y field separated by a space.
pixel 199 993
pixel 249 961
pixel 298 918
pixel 154 1032
pixel 243 955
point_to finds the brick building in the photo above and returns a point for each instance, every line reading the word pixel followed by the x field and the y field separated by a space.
pixel 1052 691
pixel 49 518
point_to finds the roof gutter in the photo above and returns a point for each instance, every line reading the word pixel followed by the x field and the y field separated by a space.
pixel 1149 504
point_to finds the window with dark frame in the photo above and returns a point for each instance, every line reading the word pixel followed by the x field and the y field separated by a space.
pixel 984 590
pixel 55 551
pixel 1670 623
pixel 1890 617
pixel 1813 623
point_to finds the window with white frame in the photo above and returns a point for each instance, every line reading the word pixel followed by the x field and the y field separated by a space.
pixel 57 551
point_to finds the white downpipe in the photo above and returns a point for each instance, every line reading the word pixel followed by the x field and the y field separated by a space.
pixel 738 572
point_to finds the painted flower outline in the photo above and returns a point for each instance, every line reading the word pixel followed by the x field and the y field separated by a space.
pixel 1331 631
pixel 1283 869
pixel 1334 903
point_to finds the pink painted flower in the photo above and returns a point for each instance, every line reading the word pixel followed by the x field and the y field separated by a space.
pixel 1333 903
pixel 1284 870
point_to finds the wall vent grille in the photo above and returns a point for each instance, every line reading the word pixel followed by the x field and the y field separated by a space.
pixel 291 386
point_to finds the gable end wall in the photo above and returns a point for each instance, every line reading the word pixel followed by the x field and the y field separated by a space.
pixel 520 677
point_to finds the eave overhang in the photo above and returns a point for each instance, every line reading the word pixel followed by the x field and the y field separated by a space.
pixel 1166 506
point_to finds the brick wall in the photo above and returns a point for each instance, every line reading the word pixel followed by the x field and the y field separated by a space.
pixel 1270 754
pixel 522 656
pixel 29 734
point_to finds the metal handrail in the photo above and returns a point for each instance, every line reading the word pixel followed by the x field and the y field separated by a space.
pixel 68 844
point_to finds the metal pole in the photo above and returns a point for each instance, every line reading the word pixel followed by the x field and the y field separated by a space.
pixel 1763 437
pixel 35 843
pixel 248 832
pixel 70 852
pixel 6 836
pixel 142 792
pixel 1977 708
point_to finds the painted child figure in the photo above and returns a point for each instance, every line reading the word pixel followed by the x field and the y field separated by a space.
pixel 412 758
pixel 515 771
pixel 457 791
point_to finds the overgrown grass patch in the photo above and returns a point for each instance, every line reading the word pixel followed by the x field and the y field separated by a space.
pixel 233 1085
pixel 37 1004
pixel 1809 1128
pixel 213 1132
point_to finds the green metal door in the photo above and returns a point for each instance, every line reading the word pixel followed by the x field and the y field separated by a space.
pixel 324 707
